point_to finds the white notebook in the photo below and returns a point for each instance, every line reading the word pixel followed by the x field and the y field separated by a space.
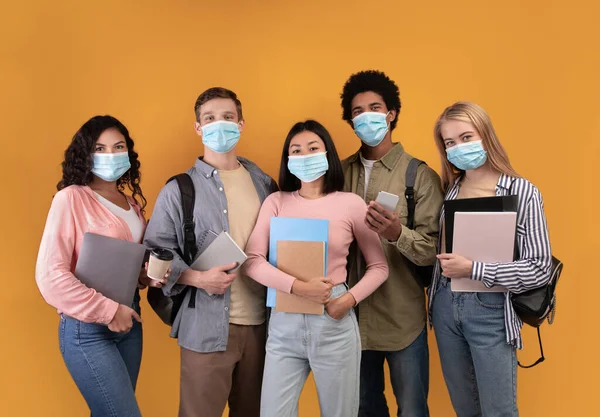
pixel 483 237
pixel 222 251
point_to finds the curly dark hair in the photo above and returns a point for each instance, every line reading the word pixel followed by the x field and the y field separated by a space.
pixel 79 159
pixel 375 81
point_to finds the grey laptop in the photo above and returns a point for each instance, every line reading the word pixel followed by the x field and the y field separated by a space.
pixel 110 266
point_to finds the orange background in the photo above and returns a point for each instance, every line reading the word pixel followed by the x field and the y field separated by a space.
pixel 533 65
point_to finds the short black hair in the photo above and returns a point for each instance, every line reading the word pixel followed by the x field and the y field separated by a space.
pixel 334 177
pixel 217 92
pixel 375 81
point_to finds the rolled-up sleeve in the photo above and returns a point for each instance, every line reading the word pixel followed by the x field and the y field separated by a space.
pixel 163 231
pixel 419 245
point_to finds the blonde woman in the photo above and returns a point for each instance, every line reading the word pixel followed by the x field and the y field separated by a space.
pixel 478 332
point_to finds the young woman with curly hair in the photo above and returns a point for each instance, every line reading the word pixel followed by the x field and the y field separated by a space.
pixel 100 340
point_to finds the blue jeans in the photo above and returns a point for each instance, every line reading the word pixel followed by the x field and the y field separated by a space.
pixel 409 372
pixel 301 343
pixel 479 367
pixel 103 364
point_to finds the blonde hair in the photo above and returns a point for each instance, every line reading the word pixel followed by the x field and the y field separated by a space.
pixel 478 117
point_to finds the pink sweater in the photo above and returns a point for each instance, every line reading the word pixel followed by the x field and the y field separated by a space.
pixel 74 211
pixel 346 214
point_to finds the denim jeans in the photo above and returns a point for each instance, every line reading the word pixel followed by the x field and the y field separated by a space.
pixel 479 367
pixel 300 343
pixel 103 364
pixel 409 372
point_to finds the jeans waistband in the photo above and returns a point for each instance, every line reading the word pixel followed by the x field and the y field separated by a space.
pixel 339 290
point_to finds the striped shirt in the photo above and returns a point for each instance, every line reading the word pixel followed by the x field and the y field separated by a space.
pixel 531 270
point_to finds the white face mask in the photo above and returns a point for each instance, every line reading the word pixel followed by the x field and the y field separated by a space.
pixel 221 136
pixel 308 168
pixel 466 156
pixel 371 127
pixel 111 166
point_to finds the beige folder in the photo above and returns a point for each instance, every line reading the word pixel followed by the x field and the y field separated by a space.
pixel 304 261
pixel 483 237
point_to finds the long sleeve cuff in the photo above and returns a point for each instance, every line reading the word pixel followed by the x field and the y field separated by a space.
pixel 172 288
pixel 484 272
pixel 404 242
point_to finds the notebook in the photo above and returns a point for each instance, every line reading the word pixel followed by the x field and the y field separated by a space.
pixel 221 251
pixel 290 228
pixel 304 261
pixel 110 266
pixel 482 204
pixel 483 237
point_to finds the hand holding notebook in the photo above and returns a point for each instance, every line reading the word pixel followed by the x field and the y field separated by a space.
pixel 295 229
pixel 222 251
pixel 483 237
pixel 305 261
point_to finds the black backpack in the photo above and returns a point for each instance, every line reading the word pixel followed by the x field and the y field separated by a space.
pixel 167 307
pixel 422 274
pixel 538 305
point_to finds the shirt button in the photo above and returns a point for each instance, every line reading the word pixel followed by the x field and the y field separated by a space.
pixel 207 175
pixel 215 172
pixel 226 308
pixel 220 188
pixel 225 211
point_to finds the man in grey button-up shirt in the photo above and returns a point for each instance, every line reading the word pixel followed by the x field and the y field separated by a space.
pixel 221 360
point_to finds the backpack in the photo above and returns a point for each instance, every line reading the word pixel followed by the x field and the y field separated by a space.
pixel 167 307
pixel 538 305
pixel 422 274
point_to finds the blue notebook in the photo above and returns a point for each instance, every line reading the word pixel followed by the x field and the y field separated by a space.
pixel 288 228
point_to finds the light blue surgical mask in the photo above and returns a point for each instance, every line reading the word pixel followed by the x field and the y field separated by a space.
pixel 111 166
pixel 466 156
pixel 220 136
pixel 371 127
pixel 308 168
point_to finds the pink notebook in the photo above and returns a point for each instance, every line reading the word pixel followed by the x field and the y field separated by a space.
pixel 483 237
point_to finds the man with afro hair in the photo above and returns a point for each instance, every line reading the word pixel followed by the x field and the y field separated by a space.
pixel 392 320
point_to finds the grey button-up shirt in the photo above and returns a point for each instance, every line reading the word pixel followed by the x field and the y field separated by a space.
pixel 204 328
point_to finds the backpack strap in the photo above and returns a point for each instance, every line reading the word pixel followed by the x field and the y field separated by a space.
pixel 188 199
pixel 409 191
pixel 542 357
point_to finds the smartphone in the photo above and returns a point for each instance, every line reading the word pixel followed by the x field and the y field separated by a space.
pixel 387 201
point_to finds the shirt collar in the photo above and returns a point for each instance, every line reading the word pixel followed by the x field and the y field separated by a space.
pixel 208 171
pixel 505 181
pixel 389 160
pixel 204 169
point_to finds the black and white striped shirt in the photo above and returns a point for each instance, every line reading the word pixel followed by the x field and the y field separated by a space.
pixel 531 270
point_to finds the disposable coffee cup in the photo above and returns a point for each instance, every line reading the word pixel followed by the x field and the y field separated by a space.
pixel 159 263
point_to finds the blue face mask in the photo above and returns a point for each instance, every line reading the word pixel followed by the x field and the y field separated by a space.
pixel 308 168
pixel 371 127
pixel 466 156
pixel 221 136
pixel 111 166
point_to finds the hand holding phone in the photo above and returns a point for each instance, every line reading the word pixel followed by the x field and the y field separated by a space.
pixel 387 201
